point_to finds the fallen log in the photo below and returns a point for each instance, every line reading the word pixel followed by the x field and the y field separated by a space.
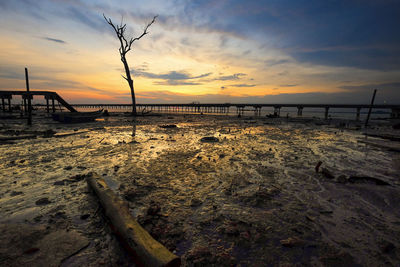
pixel 144 248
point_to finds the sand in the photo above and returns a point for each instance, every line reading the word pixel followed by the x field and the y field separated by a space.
pixel 251 197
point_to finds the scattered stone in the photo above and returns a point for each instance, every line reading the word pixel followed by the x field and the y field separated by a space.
pixel 15 193
pixel 388 247
pixel 85 216
pixel 43 201
pixel 68 168
pixel 195 202
pixel 116 168
pixel 292 242
pixel 209 139
pixel 154 209
pixel 81 167
pixel 327 173
pixel 342 179
pixel 366 180
pixel 62 182
pixel 167 126
pixel 49 133
pixel 317 166
pixel 22 161
pixel 77 178
pixel 31 250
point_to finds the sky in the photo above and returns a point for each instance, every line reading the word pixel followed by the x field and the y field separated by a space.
pixel 219 51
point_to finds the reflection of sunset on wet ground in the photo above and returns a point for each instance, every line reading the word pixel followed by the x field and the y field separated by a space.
pixel 250 198
pixel 213 51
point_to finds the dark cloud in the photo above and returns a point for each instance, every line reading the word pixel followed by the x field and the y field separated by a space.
pixel 243 85
pixel 172 75
pixel 54 40
pixel 313 31
pixel 274 62
pixel 235 76
pixel 288 85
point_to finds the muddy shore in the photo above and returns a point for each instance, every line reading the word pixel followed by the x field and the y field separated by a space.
pixel 250 195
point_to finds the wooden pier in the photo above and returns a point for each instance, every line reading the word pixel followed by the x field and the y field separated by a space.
pixel 48 95
pixel 240 108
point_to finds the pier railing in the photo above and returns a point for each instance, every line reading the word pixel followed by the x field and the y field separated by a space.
pixel 240 108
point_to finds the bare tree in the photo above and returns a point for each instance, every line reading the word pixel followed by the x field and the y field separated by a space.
pixel 125 47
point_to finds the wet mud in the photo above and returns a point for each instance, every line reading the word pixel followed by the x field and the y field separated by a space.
pixel 214 190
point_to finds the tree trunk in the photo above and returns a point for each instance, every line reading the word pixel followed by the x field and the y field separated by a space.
pixel 130 82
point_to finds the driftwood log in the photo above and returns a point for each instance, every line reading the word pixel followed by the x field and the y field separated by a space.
pixel 145 249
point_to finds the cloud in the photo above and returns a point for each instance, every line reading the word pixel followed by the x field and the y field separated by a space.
pixel 243 85
pixel 176 82
pixel 172 78
pixel 54 40
pixel 235 76
pixel 274 62
pixel 288 85
pixel 172 75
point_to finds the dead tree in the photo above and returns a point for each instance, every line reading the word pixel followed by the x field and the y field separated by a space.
pixel 125 47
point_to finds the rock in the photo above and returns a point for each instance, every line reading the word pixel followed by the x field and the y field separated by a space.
pixel 388 247
pixel 68 168
pixel 49 133
pixel 317 166
pixel 77 178
pixel 43 201
pixel 154 209
pixel 15 193
pixel 327 173
pixel 85 216
pixel 62 182
pixel 209 139
pixel 167 126
pixel 195 202
pixel 367 180
pixel 342 179
pixel 291 242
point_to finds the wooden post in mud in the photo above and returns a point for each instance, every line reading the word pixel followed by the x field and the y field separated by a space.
pixel 370 108
pixel 29 98
pixel 144 248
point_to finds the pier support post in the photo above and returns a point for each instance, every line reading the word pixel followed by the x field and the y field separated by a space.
pixel 326 112
pixel 9 104
pixel 3 104
pixel 53 104
pixel 277 111
pixel 299 111
pixel 358 114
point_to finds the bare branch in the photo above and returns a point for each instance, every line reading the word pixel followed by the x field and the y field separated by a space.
pixel 143 34
pixel 124 77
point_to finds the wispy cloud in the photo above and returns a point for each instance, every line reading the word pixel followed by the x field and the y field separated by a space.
pixel 54 40
pixel 288 85
pixel 172 75
pixel 235 76
pixel 243 85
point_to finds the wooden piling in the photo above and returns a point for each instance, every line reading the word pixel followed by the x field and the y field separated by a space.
pixel 370 108
pixel 29 98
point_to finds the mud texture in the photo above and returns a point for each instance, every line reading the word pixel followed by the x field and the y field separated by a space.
pixel 246 194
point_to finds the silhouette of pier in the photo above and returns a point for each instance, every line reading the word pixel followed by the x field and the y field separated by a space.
pixel 240 108
pixel 48 95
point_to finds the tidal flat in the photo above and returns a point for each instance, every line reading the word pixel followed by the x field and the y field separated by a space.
pixel 252 194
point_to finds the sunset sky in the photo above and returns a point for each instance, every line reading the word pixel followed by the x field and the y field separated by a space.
pixel 209 51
